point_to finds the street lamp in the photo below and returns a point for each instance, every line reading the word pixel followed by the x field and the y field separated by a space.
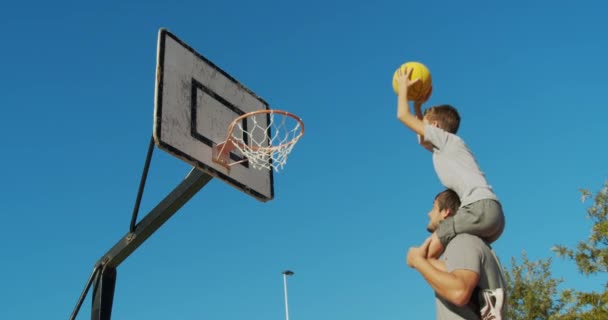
pixel 285 274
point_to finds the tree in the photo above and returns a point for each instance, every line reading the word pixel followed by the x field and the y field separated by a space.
pixel 533 292
pixel 591 258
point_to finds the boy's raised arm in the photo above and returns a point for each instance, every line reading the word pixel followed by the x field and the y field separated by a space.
pixel 414 122
pixel 418 109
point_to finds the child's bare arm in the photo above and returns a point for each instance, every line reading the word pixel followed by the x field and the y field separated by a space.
pixel 418 109
pixel 403 108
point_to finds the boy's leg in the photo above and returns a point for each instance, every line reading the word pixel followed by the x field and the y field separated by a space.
pixel 445 231
pixel 483 218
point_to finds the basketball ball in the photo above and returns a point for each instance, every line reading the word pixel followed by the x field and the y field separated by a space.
pixel 418 91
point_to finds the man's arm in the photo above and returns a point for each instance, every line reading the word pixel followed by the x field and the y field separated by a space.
pixel 456 286
pixel 438 264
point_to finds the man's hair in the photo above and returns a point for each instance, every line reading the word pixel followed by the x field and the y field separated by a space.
pixel 446 116
pixel 448 199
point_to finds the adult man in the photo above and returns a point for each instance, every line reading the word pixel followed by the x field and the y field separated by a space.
pixel 467 279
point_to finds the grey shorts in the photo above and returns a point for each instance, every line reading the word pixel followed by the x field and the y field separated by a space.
pixel 483 218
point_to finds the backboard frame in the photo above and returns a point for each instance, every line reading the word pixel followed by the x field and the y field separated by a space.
pixel 264 191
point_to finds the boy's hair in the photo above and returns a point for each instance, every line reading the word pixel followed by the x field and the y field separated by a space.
pixel 448 199
pixel 446 116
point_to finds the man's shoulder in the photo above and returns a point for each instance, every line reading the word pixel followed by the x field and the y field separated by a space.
pixel 464 252
pixel 465 239
pixel 466 236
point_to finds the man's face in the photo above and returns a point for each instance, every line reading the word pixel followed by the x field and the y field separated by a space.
pixel 435 216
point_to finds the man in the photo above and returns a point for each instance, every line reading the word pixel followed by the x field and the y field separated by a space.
pixel 467 279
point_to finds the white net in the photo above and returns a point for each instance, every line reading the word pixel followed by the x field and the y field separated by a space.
pixel 268 138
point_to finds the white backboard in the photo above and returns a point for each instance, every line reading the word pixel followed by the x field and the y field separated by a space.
pixel 195 101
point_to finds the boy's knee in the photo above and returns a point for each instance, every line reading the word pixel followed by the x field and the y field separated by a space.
pixel 445 231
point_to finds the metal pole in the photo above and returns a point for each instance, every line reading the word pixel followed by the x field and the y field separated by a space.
pixel 105 269
pixel 285 274
pixel 92 278
pixel 142 184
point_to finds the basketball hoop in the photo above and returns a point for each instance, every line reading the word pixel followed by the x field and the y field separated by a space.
pixel 265 145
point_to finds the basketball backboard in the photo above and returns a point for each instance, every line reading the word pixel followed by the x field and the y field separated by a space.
pixel 195 101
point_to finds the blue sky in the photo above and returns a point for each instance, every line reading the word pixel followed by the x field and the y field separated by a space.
pixel 78 93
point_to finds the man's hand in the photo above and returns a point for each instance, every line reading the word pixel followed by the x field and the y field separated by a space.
pixel 416 254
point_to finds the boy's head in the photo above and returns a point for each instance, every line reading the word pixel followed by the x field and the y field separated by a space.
pixel 446 204
pixel 446 117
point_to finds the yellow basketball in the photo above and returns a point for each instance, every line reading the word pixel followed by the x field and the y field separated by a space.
pixel 418 91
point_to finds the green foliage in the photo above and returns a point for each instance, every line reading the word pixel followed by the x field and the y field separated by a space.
pixel 591 256
pixel 533 292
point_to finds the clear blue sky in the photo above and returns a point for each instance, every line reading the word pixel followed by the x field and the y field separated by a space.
pixel 529 78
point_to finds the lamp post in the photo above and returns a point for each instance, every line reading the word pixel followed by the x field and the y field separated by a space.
pixel 286 273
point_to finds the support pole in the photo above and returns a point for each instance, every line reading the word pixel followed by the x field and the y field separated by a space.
pixel 104 274
pixel 103 295
pixel 285 274
pixel 195 180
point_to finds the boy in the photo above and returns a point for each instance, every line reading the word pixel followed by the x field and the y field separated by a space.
pixel 480 213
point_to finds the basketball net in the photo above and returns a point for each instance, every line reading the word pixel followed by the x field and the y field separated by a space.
pixel 265 140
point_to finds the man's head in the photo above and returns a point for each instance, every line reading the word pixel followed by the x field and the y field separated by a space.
pixel 446 204
pixel 443 116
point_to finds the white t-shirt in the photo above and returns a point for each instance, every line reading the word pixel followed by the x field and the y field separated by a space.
pixel 456 167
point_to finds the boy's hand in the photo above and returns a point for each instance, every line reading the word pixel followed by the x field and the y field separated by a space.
pixel 404 81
